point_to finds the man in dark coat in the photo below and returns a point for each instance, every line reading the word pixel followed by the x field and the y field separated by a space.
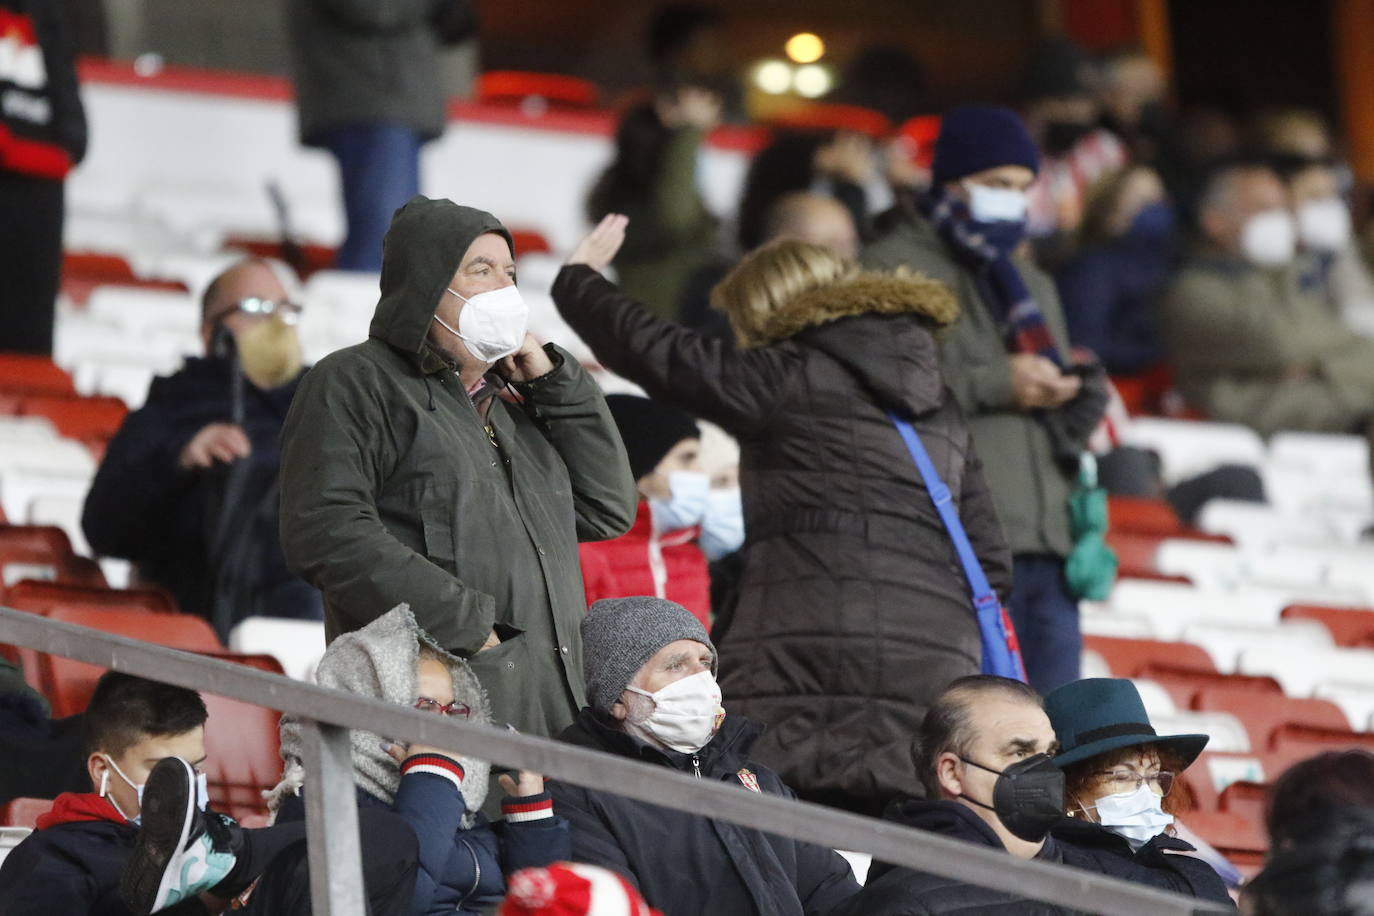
pixel 187 489
pixel 1006 360
pixel 369 89
pixel 653 697
pixel 406 478
pixel 853 612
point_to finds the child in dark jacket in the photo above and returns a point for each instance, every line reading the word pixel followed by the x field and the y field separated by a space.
pixel 463 856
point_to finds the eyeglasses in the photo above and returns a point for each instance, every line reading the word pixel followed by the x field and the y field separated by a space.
pixel 1121 781
pixel 289 312
pixel 461 710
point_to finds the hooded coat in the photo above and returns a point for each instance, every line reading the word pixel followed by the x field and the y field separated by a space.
pixel 853 611
pixel 690 864
pixel 393 492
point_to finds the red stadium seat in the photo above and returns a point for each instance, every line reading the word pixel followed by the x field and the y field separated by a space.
pixel 24 812
pixel 1144 516
pixel 529 241
pixel 43 552
pixel 69 683
pixel 39 597
pixel 1263 713
pixel 829 116
pixel 88 419
pixel 1348 626
pixel 242 742
pixel 1183 684
pixel 33 374
pixel 497 86
pixel 1248 799
pixel 1134 657
pixel 312 257
pixel 1241 840
pixel 84 271
pixel 1291 743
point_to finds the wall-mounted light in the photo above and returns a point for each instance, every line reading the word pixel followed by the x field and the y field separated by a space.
pixel 773 76
pixel 805 48
pixel 812 81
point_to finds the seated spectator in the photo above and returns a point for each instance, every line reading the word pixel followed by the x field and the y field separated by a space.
pixel 1329 874
pixel 1250 345
pixel 463 858
pixel 660 554
pixel 1338 270
pixel 844 592
pixel 118 850
pixel 654 180
pixel 569 889
pixel 187 489
pixel 43 757
pixel 1110 287
pixel 1118 777
pixel 983 755
pixel 653 697
pixel 1315 788
pixel 802 215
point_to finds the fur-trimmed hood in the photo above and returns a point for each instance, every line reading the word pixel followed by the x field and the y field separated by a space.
pixel 862 293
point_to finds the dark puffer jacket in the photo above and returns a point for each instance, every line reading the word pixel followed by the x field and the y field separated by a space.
pixel 853 611
pixel 690 864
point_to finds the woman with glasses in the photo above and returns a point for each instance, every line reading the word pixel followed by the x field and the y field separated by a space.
pixel 439 793
pixel 1121 787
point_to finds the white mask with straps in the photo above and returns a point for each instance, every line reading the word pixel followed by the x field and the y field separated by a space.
pixel 687 504
pixel 491 324
pixel 1324 225
pixel 686 713
pixel 996 205
pixel 202 790
pixel 1135 816
pixel 1269 238
pixel 722 527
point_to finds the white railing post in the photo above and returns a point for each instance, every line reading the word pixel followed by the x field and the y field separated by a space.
pixel 331 823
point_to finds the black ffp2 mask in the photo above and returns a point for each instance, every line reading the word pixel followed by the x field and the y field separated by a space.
pixel 1028 797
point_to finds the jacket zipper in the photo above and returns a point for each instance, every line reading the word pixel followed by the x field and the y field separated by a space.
pixel 476 869
pixel 696 765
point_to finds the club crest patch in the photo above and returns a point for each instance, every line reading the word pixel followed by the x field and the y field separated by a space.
pixel 751 782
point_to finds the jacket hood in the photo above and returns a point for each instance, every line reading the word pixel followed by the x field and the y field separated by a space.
pixel 379 661
pixel 859 294
pixel 75 807
pixel 420 254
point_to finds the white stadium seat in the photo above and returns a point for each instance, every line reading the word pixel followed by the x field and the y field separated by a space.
pixel 1225 642
pixel 1299 673
pixel 1187 448
pixel 1226 731
pixel 297 644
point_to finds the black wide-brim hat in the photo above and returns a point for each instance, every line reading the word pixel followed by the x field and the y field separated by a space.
pixel 1101 714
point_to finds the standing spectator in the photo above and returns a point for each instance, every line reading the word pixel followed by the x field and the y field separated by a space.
pixel 852 614
pixel 368 90
pixel 654 179
pixel 658 556
pixel 1112 284
pixel 187 489
pixel 1251 346
pixel 437 792
pixel 652 696
pixel 42 136
pixel 1122 790
pixel 837 164
pixel 1030 413
pixel 1061 113
pixel 405 478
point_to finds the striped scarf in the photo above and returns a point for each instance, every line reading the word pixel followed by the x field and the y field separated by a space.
pixel 988 245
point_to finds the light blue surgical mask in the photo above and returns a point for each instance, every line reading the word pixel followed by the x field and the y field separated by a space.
pixel 202 791
pixel 687 504
pixel 1135 816
pixel 722 527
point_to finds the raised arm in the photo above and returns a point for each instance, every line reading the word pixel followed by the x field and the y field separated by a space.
pixel 336 448
pixel 739 390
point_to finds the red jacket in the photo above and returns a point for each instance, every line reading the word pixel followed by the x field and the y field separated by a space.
pixel 639 562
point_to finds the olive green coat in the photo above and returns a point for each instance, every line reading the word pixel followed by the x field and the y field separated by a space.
pixel 1250 346
pixel 1029 488
pixel 392 491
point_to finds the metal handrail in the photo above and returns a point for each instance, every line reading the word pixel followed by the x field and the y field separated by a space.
pixel 335 863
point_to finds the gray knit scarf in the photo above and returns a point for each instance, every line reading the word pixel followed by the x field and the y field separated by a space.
pixel 379 661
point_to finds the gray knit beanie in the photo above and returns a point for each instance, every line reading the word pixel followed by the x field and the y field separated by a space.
pixel 620 634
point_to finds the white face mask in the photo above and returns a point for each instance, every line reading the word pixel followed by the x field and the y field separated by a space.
pixel 492 324
pixel 1269 238
pixel 722 527
pixel 202 790
pixel 686 713
pixel 1136 816
pixel 1324 225
pixel 995 205
pixel 687 505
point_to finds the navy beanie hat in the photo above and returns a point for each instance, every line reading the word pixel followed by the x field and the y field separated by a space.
pixel 974 138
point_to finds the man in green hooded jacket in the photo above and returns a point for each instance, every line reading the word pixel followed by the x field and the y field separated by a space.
pixel 406 478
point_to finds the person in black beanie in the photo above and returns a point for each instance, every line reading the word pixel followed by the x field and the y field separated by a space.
pixel 1007 361
pixel 659 554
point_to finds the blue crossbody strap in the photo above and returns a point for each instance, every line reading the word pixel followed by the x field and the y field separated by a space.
pixel 983 595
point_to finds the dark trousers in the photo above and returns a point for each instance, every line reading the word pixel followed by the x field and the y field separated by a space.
pixel 1046 620
pixel 31 212
pixel 390 853
pixel 379 169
